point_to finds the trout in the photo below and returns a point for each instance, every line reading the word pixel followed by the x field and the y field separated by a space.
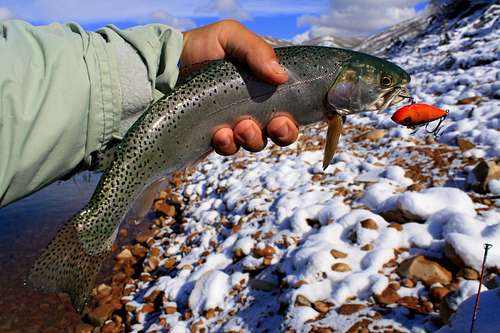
pixel 324 84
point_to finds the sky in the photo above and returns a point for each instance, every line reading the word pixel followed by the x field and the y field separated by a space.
pixel 299 19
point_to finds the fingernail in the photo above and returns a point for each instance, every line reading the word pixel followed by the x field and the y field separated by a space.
pixel 225 140
pixel 276 67
pixel 246 134
pixel 282 132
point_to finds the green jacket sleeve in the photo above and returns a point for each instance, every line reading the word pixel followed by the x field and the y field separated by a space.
pixel 61 97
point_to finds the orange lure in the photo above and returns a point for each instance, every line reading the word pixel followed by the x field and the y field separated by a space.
pixel 417 114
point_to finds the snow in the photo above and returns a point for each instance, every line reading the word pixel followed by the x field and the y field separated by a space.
pixel 485 323
pixel 494 186
pixel 237 207
pixel 467 66
pixel 209 291
pixel 429 202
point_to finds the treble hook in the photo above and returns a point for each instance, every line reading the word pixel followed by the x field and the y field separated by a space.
pixel 435 132
pixel 412 100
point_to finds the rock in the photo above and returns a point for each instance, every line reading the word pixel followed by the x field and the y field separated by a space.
pixel 110 328
pixel 154 251
pixel 264 285
pixel 165 209
pixel 469 100
pixel 238 253
pixel 123 233
pixel 396 226
pixel 147 308
pixel 492 281
pixel 427 271
pixel 170 309
pixel 316 329
pixel 408 283
pixel 170 263
pixel 145 277
pixel 99 315
pixel 299 284
pixel 438 293
pixel 139 251
pixel 482 174
pixel 301 300
pixel 146 234
pixel 125 255
pixel 388 296
pixel 373 135
pixel 465 145
pixel 409 301
pixel 367 247
pixel 360 326
pixel 349 309
pixel 399 216
pixel 391 263
pixel 394 285
pixel 130 307
pixel 451 255
pixel 353 237
pixel 103 290
pixel 468 273
pixel 341 267
pixel 83 328
pixel 153 263
pixel 338 254
pixel 152 296
pixel 427 306
pixel 447 307
pixel 321 307
pixel 267 251
pixel 267 261
pixel 210 313
pixel 369 224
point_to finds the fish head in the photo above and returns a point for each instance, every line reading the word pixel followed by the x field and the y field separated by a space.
pixel 367 83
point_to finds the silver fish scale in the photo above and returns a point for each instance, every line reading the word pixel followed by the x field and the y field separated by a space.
pixel 172 133
pixel 178 128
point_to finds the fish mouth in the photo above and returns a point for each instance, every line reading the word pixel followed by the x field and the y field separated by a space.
pixel 390 97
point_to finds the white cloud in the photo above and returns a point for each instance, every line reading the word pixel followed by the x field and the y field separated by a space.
pixel 358 17
pixel 91 11
pixel 231 8
pixel 161 16
pixel 5 14
pixel 224 9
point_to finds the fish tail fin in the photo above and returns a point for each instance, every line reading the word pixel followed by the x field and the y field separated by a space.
pixel 65 266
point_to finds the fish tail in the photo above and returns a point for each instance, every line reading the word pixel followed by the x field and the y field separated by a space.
pixel 65 266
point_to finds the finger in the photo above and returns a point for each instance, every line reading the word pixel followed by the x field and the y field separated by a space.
pixel 249 48
pixel 224 143
pixel 282 130
pixel 249 135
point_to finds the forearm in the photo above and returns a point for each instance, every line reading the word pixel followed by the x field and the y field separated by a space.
pixel 64 95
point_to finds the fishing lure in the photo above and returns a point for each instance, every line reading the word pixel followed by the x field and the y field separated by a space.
pixel 419 114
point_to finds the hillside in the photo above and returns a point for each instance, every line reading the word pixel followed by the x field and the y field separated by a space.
pixel 388 239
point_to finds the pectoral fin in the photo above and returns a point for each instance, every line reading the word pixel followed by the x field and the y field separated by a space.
pixel 335 123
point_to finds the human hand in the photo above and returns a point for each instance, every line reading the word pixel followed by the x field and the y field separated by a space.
pixel 231 38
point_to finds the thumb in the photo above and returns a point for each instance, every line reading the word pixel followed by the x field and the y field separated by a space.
pixel 251 49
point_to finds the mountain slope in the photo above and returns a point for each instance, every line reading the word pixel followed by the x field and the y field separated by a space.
pixel 386 239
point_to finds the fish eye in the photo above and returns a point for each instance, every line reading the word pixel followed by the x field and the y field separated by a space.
pixel 386 81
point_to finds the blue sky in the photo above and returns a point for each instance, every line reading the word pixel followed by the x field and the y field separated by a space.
pixel 283 19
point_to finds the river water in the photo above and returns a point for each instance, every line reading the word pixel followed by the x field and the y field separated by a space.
pixel 26 227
